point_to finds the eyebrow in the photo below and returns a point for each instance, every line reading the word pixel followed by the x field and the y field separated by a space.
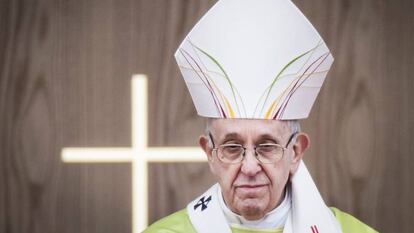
pixel 261 137
pixel 231 136
pixel 271 137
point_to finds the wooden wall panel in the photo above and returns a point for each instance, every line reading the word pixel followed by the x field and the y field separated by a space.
pixel 65 69
pixel 55 79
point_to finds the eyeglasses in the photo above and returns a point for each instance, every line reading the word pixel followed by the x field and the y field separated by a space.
pixel 265 153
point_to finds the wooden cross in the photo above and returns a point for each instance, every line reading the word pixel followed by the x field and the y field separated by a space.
pixel 139 154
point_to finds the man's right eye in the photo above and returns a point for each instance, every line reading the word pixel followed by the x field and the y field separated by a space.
pixel 231 149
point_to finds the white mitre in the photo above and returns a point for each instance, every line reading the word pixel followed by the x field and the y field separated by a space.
pixel 257 59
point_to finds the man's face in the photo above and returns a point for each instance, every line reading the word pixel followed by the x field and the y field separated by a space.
pixel 251 188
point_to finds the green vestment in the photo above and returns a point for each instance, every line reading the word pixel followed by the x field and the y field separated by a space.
pixel 179 222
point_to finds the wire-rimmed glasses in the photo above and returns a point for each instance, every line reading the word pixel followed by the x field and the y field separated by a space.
pixel 264 153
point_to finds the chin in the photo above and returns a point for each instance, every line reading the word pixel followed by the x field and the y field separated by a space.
pixel 253 214
pixel 251 210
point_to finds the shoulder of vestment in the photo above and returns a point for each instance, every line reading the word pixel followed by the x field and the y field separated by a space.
pixel 350 224
pixel 178 222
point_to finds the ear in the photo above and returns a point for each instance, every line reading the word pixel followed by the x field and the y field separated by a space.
pixel 299 148
pixel 203 142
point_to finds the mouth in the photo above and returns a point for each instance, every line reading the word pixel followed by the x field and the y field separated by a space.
pixel 251 187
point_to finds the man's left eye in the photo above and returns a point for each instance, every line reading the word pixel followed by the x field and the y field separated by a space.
pixel 266 148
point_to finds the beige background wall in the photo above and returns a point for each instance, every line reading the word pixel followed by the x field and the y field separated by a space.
pixel 65 68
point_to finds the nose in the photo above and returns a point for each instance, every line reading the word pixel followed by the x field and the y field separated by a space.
pixel 250 165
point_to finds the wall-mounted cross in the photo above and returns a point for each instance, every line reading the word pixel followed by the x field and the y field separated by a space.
pixel 139 154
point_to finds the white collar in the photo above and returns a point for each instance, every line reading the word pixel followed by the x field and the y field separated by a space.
pixel 274 219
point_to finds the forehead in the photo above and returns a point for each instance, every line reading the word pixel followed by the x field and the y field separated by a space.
pixel 248 127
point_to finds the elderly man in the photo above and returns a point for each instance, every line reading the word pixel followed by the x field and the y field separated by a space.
pixel 253 68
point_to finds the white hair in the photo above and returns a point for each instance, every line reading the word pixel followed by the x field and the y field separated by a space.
pixel 294 126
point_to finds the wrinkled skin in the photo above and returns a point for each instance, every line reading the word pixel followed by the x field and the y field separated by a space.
pixel 252 189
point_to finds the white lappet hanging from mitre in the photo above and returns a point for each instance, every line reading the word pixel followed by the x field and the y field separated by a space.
pixel 250 60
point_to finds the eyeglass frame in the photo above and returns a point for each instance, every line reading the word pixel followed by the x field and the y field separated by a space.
pixel 243 154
